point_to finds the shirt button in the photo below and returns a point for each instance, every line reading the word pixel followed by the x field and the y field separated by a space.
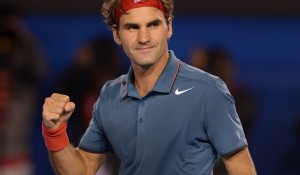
pixel 142 103
pixel 141 120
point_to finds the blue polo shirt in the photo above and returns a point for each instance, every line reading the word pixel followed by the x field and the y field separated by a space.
pixel 179 128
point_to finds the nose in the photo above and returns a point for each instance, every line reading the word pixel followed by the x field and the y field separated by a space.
pixel 143 35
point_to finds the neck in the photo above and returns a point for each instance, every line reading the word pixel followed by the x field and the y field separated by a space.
pixel 146 77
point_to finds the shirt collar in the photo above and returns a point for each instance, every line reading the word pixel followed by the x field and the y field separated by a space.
pixel 164 83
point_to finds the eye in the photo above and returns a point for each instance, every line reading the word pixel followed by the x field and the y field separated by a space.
pixel 153 25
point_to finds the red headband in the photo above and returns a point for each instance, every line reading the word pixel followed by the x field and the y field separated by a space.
pixel 131 4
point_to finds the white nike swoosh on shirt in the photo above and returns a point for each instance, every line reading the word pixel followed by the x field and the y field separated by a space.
pixel 177 92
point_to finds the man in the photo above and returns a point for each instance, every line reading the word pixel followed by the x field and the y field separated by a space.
pixel 162 118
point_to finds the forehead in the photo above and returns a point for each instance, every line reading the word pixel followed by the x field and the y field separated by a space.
pixel 141 15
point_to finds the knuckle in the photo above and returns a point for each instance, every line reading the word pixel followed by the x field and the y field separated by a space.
pixel 44 107
pixel 55 94
pixel 59 110
pixel 47 100
pixel 45 114
pixel 65 98
pixel 59 104
pixel 55 116
pixel 60 97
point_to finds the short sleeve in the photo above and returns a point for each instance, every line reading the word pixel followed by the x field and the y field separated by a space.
pixel 94 139
pixel 223 125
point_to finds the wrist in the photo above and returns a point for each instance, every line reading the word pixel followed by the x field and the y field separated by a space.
pixel 55 139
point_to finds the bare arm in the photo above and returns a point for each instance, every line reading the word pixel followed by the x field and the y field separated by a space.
pixel 240 163
pixel 69 160
pixel 74 161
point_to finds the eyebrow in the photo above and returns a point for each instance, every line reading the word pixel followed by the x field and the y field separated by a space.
pixel 131 25
pixel 155 22
pixel 134 25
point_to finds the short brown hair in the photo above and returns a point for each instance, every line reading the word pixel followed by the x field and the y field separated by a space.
pixel 109 6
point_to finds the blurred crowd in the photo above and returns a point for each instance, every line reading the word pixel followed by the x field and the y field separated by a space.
pixel 22 67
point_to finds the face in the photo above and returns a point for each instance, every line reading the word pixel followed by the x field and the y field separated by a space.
pixel 143 33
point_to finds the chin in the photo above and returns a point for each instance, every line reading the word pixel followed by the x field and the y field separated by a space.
pixel 145 64
pixel 144 60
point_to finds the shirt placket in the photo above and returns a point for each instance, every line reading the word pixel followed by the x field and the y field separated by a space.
pixel 140 130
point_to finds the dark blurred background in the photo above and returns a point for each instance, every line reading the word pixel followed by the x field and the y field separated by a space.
pixel 260 38
pixel 211 7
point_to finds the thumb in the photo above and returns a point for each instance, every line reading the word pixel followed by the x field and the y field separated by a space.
pixel 70 107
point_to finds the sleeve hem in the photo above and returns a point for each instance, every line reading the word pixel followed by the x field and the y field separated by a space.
pixel 93 151
pixel 234 150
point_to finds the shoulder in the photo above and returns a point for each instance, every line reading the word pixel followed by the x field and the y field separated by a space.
pixel 113 84
pixel 112 87
pixel 208 82
pixel 191 73
pixel 110 91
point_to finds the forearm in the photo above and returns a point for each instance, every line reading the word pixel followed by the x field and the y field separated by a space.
pixel 242 170
pixel 240 164
pixel 69 161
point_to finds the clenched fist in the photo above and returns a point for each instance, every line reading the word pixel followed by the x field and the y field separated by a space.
pixel 57 109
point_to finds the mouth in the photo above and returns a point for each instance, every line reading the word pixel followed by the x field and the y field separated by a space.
pixel 144 49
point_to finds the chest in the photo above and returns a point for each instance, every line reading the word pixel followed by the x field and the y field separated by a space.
pixel 153 124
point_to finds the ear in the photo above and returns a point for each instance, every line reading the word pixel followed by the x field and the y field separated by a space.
pixel 170 28
pixel 116 35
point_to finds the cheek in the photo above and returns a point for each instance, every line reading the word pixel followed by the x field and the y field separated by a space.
pixel 126 47
pixel 125 44
pixel 163 38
